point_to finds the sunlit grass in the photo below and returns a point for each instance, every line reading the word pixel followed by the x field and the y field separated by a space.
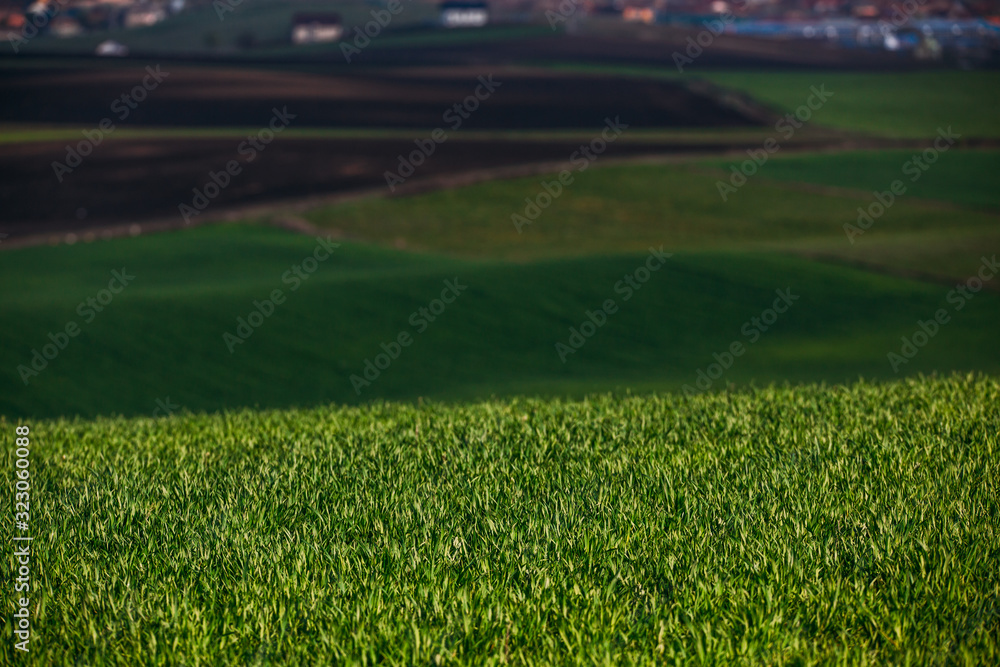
pixel 851 525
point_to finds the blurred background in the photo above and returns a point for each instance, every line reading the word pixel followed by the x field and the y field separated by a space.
pixel 355 156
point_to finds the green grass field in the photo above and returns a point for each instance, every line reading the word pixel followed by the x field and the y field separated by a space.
pixel 481 501
pixel 897 104
pixel 851 525
pixel 964 177
pixel 629 207
pixel 163 336
pixel 940 227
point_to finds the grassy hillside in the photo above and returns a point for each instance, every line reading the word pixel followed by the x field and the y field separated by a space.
pixel 887 104
pixel 163 335
pixel 952 195
pixel 941 226
pixel 856 525
pixel 691 483
pixel 965 177
pixel 895 104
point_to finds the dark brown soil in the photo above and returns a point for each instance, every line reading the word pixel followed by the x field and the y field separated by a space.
pixel 127 180
pixel 353 97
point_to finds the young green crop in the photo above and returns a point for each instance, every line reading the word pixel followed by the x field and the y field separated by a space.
pixel 855 525
pixel 498 340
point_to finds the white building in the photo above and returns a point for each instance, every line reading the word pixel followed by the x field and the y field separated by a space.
pixel 144 15
pixel 110 47
pixel 464 14
pixel 316 28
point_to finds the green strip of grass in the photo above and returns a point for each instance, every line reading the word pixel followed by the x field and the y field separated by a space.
pixel 894 104
pixel 724 136
pixel 787 526
pixel 941 254
pixel 889 104
pixel 965 177
pixel 627 208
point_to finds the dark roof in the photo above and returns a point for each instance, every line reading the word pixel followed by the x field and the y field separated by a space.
pixel 315 17
pixel 463 4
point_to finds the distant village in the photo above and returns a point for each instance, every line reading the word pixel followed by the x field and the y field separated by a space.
pixel 925 27
pixel 68 18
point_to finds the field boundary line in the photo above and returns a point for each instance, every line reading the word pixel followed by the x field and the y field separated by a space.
pixel 284 213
